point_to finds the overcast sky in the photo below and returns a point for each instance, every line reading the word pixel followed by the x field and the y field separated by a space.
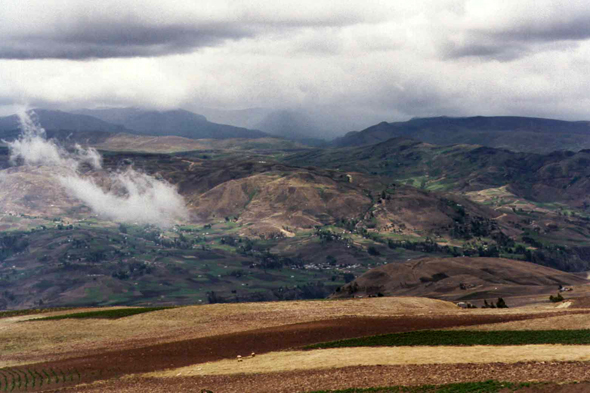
pixel 387 60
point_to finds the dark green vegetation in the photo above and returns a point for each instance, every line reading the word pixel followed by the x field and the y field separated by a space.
pixel 103 314
pixel 508 132
pixel 464 387
pixel 94 264
pixel 556 299
pixel 464 337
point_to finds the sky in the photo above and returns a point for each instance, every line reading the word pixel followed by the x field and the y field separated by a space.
pixel 369 61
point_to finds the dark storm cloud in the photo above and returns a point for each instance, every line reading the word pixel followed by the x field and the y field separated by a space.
pixel 360 62
pixel 517 40
pixel 566 29
pixel 110 40
pixel 69 29
pixel 488 49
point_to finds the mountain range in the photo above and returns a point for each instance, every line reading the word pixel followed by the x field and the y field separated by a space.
pixel 526 134
pixel 134 121
pixel 517 134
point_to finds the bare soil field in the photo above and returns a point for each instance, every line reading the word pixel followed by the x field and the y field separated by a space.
pixel 360 377
pixel 91 351
pixel 41 341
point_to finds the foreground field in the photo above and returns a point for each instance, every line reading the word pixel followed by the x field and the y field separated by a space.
pixel 195 348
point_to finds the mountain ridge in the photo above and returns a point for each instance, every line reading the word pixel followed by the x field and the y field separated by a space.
pixel 131 121
pixel 488 131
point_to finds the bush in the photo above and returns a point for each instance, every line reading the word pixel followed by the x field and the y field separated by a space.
pixel 373 251
pixel 348 277
pixel 556 299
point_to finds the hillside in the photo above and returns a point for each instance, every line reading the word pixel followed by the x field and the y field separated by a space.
pixel 173 122
pixel 459 279
pixel 255 229
pixel 126 142
pixel 268 219
pixel 53 120
pixel 526 134
pixel 555 177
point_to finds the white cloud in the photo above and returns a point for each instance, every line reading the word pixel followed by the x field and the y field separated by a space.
pixel 380 60
pixel 133 196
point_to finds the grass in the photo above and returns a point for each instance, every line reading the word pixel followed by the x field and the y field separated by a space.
pixel 464 387
pixel 104 314
pixel 464 338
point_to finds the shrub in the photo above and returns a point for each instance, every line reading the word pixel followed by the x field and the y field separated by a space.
pixel 348 277
pixel 556 299
pixel 373 251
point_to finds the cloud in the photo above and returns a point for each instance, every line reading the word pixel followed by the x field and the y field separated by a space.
pixel 133 196
pixel 103 40
pixel 139 198
pixel 31 148
pixel 360 63
pixel 510 30
pixel 85 30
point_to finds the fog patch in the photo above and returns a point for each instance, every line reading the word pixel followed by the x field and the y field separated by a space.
pixel 133 197
pixel 32 147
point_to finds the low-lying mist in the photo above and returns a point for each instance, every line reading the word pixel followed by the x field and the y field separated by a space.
pixel 133 198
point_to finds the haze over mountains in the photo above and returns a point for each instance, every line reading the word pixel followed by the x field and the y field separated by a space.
pixel 518 134
pixel 131 120
pixel 174 122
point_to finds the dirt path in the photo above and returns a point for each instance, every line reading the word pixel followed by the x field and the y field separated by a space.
pixel 183 353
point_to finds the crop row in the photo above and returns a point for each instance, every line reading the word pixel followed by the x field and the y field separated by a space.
pixel 464 338
pixel 465 387
pixel 12 379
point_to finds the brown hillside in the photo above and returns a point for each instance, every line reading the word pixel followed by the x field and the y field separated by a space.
pixel 31 190
pixel 171 143
pixel 483 278
pixel 298 198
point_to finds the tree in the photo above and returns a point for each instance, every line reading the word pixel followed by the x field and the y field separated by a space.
pixel 348 277
pixel 331 260
pixel 501 303
pixel 373 251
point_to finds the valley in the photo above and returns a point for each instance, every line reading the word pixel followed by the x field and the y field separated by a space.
pixel 270 219
pixel 302 257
